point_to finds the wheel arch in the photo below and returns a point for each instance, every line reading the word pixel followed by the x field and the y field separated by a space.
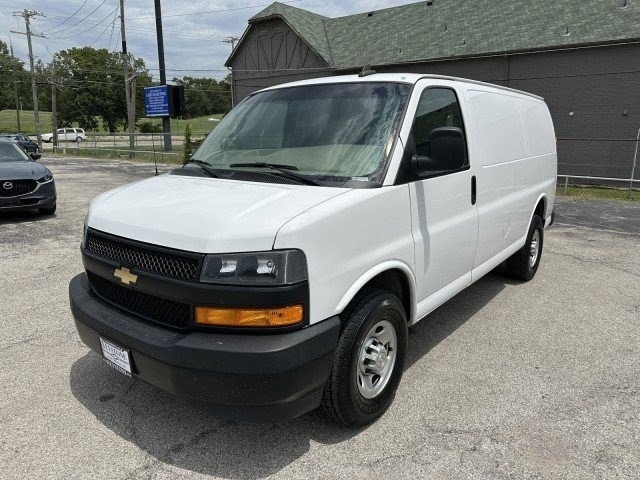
pixel 393 276
pixel 540 207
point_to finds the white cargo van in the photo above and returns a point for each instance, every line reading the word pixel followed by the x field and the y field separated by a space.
pixel 279 269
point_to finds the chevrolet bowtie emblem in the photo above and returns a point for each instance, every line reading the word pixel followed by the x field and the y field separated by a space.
pixel 125 276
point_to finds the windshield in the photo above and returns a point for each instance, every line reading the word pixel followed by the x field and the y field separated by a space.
pixel 10 152
pixel 333 133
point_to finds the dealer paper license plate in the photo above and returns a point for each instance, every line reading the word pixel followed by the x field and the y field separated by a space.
pixel 116 357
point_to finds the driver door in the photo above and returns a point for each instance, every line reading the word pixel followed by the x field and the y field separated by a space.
pixel 445 227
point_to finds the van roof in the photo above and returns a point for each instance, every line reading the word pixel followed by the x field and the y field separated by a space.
pixel 410 78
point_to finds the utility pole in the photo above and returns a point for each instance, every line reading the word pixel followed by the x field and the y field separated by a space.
pixel 15 90
pixel 131 122
pixel 231 40
pixel 54 105
pixel 27 14
pixel 166 121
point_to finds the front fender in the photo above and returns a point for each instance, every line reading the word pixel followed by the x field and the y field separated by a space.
pixel 374 272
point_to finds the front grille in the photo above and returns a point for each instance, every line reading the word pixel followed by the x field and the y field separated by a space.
pixel 168 312
pixel 174 265
pixel 13 188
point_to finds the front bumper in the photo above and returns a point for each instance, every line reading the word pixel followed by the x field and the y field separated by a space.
pixel 43 196
pixel 250 377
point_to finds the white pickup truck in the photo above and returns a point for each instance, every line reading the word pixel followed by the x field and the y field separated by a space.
pixel 279 269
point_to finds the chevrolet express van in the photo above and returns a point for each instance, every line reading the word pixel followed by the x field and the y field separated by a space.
pixel 279 268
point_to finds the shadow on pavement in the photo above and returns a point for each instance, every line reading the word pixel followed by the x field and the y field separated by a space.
pixel 22 216
pixel 173 432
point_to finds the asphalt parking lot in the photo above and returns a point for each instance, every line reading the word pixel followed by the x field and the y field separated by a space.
pixel 506 380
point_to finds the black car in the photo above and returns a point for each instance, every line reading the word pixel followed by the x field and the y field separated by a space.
pixel 24 141
pixel 24 183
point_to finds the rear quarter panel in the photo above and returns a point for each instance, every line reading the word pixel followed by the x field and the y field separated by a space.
pixel 516 167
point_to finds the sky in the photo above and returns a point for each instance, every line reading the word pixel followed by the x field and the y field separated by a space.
pixel 193 30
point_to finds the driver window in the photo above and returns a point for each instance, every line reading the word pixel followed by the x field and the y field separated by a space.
pixel 438 107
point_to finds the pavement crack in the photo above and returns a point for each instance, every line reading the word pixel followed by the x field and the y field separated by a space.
pixel 597 262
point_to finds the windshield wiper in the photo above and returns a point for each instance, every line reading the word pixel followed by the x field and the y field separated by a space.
pixel 204 166
pixel 283 170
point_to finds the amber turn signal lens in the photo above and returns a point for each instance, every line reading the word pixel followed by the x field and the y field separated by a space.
pixel 241 317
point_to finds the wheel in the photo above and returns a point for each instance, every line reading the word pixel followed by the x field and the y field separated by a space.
pixel 49 210
pixel 78 139
pixel 369 360
pixel 523 264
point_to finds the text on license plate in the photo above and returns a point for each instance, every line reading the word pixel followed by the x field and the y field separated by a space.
pixel 116 357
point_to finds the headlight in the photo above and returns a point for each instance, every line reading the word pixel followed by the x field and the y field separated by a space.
pixel 46 178
pixel 277 267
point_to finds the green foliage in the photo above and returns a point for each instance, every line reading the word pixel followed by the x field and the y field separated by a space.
pixel 90 92
pixel 186 151
pixel 12 69
pixel 91 84
pixel 149 127
pixel 204 96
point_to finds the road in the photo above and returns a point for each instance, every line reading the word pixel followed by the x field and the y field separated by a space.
pixel 506 380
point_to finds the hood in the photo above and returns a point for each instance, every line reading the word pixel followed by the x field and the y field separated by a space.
pixel 206 215
pixel 22 169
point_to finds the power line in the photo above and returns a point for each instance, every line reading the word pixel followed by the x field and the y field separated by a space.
pixel 88 29
pixel 102 33
pixel 203 12
pixel 80 21
pixel 68 18
pixel 113 27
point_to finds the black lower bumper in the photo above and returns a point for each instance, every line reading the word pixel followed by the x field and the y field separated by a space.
pixel 43 196
pixel 254 378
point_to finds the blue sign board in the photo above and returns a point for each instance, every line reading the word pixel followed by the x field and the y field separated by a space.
pixel 156 101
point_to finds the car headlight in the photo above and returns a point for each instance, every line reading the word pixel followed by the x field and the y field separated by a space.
pixel 277 267
pixel 48 177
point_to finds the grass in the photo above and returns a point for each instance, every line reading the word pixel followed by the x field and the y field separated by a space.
pixel 606 193
pixel 9 124
pixel 173 157
pixel 199 125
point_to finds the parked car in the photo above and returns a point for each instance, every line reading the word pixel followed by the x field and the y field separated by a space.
pixel 24 183
pixel 25 142
pixel 66 135
pixel 280 268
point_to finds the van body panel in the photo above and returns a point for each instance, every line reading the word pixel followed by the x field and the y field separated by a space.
pixel 509 179
pixel 205 215
pixel 346 237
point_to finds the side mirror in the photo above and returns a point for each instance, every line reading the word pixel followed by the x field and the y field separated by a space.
pixel 446 151
pixel 35 155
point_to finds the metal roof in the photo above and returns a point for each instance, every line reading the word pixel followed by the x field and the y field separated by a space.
pixel 457 29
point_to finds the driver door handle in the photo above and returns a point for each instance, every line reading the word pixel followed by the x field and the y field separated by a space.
pixel 473 190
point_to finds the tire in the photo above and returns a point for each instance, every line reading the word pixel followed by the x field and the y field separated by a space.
pixel 343 399
pixel 78 139
pixel 522 265
pixel 50 210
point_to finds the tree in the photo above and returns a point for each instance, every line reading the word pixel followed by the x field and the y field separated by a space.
pixel 10 66
pixel 91 85
pixel 187 142
pixel 205 96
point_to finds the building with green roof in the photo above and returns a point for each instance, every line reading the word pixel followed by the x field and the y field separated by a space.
pixel 582 56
